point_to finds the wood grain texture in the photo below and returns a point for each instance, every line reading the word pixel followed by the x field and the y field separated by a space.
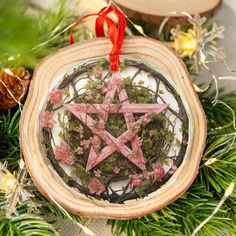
pixel 153 11
pixel 40 169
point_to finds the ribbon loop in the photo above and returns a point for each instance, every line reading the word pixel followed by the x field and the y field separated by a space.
pixel 115 33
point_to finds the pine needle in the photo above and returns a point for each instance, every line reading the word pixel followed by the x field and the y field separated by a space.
pixel 202 206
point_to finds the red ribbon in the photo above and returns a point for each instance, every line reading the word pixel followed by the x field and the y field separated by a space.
pixel 115 33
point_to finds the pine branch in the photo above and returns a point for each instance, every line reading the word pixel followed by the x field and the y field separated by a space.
pixel 25 38
pixel 9 139
pixel 10 152
pixel 217 171
pixel 180 218
pixel 50 210
pixel 22 223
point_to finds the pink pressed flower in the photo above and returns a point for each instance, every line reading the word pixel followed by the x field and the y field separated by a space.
pixel 47 120
pixel 96 187
pixel 135 181
pixel 63 154
pixel 173 169
pixel 56 96
pixel 159 172
pixel 89 96
pixel 85 143
pixel 95 141
pixel 98 173
pixel 97 73
pixel 79 150
pixel 116 170
pixel 100 86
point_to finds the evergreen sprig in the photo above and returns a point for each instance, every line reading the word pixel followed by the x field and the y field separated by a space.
pixel 28 38
pixel 25 224
pixel 26 221
pixel 27 35
pixel 9 139
pixel 22 222
pixel 185 214
pixel 180 218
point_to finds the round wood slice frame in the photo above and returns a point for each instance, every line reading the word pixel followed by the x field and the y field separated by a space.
pixel 39 167
pixel 158 17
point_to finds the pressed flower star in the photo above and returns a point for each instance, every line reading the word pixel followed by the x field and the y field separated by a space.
pixel 81 111
pixel 116 170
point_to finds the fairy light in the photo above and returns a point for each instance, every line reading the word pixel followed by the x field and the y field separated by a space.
pixel 7 182
pixel 12 58
pixel 227 194
pixel 198 43
pixel 210 161
pixel 185 44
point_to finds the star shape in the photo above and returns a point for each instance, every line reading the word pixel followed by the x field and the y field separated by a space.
pixel 114 144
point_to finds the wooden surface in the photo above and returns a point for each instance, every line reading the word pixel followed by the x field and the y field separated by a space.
pixel 48 181
pixel 154 11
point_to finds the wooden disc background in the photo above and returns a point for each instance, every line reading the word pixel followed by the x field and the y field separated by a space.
pixel 154 11
pixel 39 167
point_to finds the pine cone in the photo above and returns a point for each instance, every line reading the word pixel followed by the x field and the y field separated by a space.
pixel 16 81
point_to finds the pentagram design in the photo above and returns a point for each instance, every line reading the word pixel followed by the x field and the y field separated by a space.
pixel 81 111
pixel 115 136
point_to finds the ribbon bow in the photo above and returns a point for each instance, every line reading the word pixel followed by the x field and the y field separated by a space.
pixel 115 32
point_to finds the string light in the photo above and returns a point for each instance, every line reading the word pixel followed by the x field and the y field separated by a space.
pixel 199 42
pixel 7 182
pixel 185 44
pixel 227 194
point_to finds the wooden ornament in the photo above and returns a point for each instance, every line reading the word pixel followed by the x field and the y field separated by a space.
pixel 153 11
pixel 57 148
